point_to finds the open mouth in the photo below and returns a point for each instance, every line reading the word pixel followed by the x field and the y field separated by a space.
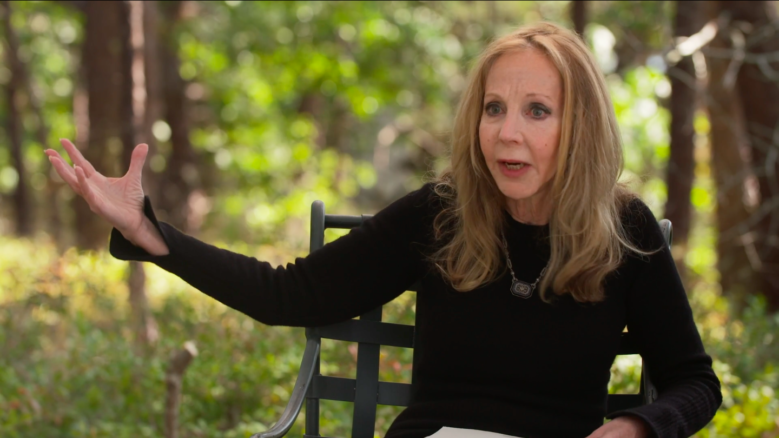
pixel 514 165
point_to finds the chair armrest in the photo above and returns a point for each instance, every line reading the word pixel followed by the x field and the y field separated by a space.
pixel 298 393
pixel 668 231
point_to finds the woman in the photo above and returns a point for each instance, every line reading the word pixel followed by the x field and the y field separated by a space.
pixel 532 260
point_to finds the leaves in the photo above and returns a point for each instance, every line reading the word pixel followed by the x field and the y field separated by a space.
pixel 347 102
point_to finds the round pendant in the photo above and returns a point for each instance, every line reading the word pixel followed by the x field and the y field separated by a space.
pixel 521 289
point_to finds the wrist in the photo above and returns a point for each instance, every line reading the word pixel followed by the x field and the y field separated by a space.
pixel 149 238
pixel 130 237
pixel 135 235
pixel 640 427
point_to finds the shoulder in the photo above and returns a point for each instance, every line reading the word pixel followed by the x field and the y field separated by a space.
pixel 412 213
pixel 634 212
pixel 640 224
pixel 422 200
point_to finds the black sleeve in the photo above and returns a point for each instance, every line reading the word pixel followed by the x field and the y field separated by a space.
pixel 660 317
pixel 358 272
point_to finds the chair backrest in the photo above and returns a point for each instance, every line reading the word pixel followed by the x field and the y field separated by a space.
pixel 366 391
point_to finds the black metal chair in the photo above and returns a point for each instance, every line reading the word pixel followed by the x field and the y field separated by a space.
pixel 366 391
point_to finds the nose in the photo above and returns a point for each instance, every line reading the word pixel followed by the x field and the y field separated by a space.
pixel 512 129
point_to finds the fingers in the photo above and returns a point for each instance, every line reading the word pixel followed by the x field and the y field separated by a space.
pixel 86 190
pixel 137 159
pixel 55 157
pixel 77 158
pixel 51 153
pixel 65 172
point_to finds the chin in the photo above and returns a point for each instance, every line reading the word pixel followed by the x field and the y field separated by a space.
pixel 517 191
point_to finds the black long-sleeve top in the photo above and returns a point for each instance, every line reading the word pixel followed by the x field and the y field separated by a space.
pixel 487 360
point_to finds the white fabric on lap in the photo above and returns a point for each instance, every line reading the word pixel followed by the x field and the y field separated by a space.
pixel 453 432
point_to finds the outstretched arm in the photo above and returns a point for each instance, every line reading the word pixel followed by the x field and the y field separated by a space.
pixel 360 271
pixel 368 267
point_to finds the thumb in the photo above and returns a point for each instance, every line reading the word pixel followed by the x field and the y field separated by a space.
pixel 138 158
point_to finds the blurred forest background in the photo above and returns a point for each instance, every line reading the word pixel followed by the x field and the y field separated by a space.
pixel 254 110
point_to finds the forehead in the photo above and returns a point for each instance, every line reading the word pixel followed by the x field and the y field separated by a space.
pixel 524 70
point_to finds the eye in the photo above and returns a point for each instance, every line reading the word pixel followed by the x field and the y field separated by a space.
pixel 492 109
pixel 539 111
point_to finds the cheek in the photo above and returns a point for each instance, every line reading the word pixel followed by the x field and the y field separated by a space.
pixel 486 141
pixel 551 160
pixel 548 152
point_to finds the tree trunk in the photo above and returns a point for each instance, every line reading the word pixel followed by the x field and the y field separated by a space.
pixel 21 196
pixel 154 87
pixel 136 129
pixel 81 120
pixel 758 84
pixel 579 16
pixel 51 191
pixel 41 132
pixel 181 176
pixel 104 69
pixel 735 249
pixel 681 163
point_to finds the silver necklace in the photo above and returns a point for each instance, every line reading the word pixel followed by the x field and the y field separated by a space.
pixel 520 288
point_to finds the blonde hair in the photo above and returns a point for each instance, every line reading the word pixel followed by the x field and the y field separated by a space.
pixel 587 238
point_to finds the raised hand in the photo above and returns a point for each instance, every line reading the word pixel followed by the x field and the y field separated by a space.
pixel 117 200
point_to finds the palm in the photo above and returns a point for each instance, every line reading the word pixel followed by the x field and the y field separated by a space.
pixel 117 200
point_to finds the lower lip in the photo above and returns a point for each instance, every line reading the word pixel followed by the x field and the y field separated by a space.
pixel 513 173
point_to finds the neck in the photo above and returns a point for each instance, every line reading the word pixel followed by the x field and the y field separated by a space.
pixel 532 211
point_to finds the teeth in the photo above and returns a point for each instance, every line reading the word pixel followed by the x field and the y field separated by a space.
pixel 515 166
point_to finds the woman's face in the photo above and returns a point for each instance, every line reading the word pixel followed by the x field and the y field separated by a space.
pixel 520 124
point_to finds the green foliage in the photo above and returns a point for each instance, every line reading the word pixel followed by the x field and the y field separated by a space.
pixel 69 366
pixel 292 102
pixel 47 35
pixel 298 91
pixel 643 124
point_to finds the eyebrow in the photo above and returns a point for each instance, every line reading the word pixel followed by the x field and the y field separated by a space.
pixel 527 95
